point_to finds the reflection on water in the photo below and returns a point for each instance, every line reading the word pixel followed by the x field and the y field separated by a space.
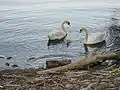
pixel 24 25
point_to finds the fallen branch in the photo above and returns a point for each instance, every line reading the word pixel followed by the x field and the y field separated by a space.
pixel 18 77
pixel 12 85
pixel 81 63
pixel 14 76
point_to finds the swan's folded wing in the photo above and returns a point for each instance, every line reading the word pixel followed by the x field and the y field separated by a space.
pixel 56 35
pixel 96 38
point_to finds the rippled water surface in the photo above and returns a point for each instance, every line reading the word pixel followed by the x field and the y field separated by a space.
pixel 25 24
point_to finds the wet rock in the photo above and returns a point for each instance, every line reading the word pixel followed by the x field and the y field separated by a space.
pixel 8 58
pixel 56 63
pixel 2 56
pixel 7 64
pixel 14 65
pixel 31 58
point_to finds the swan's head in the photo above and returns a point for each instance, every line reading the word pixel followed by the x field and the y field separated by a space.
pixel 83 29
pixel 67 22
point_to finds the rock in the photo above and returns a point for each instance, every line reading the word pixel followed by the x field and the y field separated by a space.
pixel 56 63
pixel 51 64
pixel 7 64
pixel 31 58
pixel 117 80
pixel 1 87
pixel 8 58
pixel 119 88
pixel 69 86
pixel 14 65
pixel 2 56
pixel 89 87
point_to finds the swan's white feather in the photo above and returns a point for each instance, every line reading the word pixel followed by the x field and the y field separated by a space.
pixel 55 34
pixel 96 38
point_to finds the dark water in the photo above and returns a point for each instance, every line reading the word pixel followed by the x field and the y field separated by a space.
pixel 25 24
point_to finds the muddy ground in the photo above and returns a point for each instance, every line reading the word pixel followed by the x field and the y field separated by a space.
pixel 96 78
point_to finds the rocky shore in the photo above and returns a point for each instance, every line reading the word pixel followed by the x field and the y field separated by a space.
pixel 96 77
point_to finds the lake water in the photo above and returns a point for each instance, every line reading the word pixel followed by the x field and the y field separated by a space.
pixel 25 24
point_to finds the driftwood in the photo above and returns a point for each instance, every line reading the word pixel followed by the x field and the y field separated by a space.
pixel 81 63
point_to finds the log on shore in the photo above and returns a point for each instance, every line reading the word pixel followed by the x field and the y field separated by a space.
pixel 81 63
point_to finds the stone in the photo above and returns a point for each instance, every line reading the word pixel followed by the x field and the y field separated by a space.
pixel 2 56
pixel 68 86
pixel 14 65
pixel 7 64
pixel 31 58
pixel 56 63
pixel 8 58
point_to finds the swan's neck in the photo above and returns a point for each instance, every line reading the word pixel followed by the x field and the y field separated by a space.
pixel 63 28
pixel 86 35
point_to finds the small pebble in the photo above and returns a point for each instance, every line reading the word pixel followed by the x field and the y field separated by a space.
pixel 31 58
pixel 118 78
pixel 7 64
pixel 1 87
pixel 14 65
pixel 2 56
pixel 69 86
pixel 8 58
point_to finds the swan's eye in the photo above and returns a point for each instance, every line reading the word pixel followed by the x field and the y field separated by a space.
pixel 69 23
pixel 80 31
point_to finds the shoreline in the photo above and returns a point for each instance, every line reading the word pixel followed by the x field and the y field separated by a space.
pixel 97 77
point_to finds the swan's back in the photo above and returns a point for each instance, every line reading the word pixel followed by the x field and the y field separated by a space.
pixel 56 35
pixel 96 38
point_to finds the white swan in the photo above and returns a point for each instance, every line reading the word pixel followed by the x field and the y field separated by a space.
pixel 56 36
pixel 94 41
